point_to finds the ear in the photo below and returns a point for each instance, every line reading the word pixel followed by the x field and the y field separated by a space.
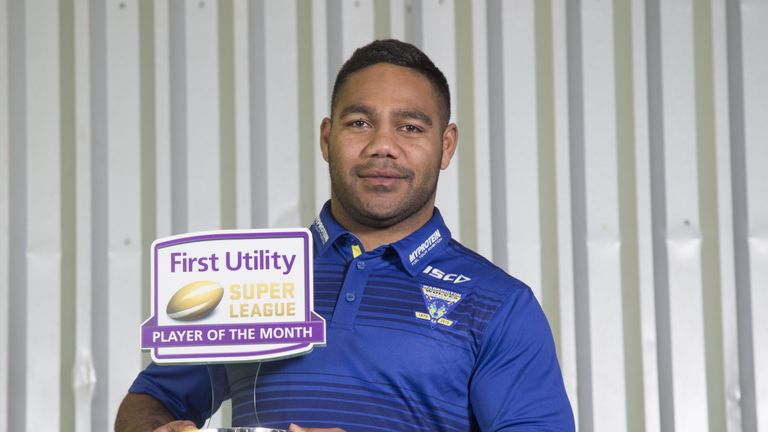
pixel 325 134
pixel 450 140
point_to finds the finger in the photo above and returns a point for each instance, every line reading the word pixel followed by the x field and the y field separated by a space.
pixel 185 426
pixel 178 426
pixel 296 428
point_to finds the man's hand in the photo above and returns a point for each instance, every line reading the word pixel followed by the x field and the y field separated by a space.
pixel 297 428
pixel 142 413
pixel 178 426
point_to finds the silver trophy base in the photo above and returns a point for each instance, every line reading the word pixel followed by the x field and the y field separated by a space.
pixel 243 429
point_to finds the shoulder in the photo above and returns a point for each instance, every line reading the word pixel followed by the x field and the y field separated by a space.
pixel 492 296
pixel 483 275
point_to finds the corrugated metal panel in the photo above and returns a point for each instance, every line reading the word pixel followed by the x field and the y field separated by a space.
pixel 321 86
pixel 243 131
pixel 5 280
pixel 611 155
pixel 437 28
pixel 649 405
pixel 679 222
pixel 481 140
pixel 83 371
pixel 35 205
pixel 565 335
pixel 730 391
pixel 520 170
pixel 197 99
pixel 754 39
pixel 119 207
pixel 281 104
pixel 603 241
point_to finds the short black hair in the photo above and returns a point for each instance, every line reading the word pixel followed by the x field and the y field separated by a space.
pixel 397 53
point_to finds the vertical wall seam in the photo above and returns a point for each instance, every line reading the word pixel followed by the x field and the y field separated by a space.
pixel 5 227
pixel 497 131
pixel 465 108
pixel 414 27
pixel 257 102
pixel 708 207
pixel 579 214
pixel 17 218
pixel 740 215
pixel 148 133
pixel 658 213
pixel 547 170
pixel 335 36
pixel 382 19
pixel 68 211
pixel 227 126
pixel 99 193
pixel 178 106
pixel 307 121
pixel 628 216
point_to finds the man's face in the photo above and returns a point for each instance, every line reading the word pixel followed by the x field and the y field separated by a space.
pixel 385 146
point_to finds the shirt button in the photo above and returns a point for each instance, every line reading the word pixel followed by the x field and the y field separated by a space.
pixel 350 297
pixel 360 265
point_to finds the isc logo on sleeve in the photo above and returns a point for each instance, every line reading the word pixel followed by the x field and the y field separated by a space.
pixel 448 277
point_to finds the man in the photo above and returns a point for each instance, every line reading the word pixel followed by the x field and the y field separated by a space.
pixel 423 334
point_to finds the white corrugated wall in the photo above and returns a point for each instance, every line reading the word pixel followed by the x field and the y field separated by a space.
pixel 613 154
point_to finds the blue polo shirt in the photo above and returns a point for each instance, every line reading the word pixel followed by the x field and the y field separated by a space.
pixel 422 334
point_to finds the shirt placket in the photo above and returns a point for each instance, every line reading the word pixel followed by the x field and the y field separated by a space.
pixel 352 289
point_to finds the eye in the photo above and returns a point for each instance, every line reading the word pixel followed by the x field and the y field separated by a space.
pixel 410 128
pixel 358 124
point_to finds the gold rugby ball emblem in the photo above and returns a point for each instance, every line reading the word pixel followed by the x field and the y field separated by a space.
pixel 194 300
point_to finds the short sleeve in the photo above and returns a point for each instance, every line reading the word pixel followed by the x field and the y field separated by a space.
pixel 189 392
pixel 517 384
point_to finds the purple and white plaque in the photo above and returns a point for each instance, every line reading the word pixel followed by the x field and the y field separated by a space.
pixel 235 295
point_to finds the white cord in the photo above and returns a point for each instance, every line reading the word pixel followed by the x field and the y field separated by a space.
pixel 213 396
pixel 255 411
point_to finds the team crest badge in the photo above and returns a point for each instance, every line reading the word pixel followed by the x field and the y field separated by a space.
pixel 439 303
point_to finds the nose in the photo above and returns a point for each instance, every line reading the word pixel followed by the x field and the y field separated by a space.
pixel 383 143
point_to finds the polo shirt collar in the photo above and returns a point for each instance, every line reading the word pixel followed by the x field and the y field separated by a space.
pixel 424 245
pixel 325 229
pixel 414 251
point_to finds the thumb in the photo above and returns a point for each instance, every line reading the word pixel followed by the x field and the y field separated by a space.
pixel 295 428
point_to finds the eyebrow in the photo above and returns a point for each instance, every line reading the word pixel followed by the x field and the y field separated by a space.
pixel 415 115
pixel 399 114
pixel 357 109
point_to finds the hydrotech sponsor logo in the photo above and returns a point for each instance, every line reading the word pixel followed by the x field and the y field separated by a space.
pixel 425 247
pixel 321 230
pixel 448 277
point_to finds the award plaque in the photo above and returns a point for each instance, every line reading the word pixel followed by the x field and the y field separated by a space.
pixel 232 296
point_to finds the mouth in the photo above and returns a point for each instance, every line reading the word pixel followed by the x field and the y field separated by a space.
pixel 379 178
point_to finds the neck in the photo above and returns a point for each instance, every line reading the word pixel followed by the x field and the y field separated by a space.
pixel 371 236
